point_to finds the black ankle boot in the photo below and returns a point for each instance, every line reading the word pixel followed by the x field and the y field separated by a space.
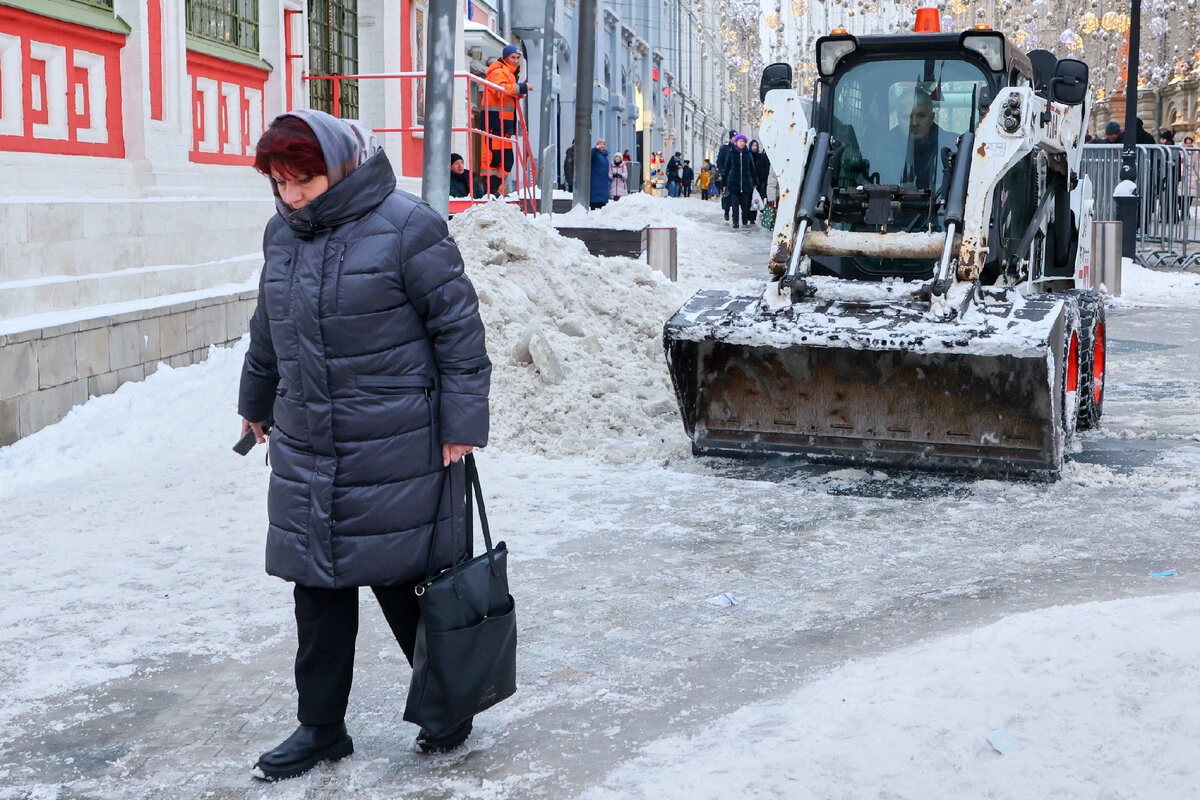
pixel 308 746
pixel 444 743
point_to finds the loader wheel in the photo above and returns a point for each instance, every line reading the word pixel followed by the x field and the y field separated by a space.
pixel 1092 362
pixel 1070 375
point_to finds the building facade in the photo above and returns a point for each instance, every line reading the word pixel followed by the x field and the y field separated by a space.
pixel 659 81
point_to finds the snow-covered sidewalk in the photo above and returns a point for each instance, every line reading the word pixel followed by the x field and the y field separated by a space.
pixel 885 624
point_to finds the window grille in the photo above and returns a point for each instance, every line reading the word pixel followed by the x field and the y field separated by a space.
pixel 333 50
pixel 229 22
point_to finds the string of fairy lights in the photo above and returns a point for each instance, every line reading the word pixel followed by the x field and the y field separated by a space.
pixel 755 33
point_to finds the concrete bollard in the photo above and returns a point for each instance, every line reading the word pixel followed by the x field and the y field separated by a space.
pixel 1106 256
pixel 662 251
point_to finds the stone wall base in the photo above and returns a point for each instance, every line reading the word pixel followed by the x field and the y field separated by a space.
pixel 45 373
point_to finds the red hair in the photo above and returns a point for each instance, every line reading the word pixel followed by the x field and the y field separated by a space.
pixel 290 148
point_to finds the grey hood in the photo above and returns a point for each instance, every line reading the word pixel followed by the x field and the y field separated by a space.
pixel 347 145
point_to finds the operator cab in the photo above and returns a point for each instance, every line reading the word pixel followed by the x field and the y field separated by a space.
pixel 895 107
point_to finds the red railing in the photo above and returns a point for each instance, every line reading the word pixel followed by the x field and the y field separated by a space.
pixel 288 15
pixel 479 137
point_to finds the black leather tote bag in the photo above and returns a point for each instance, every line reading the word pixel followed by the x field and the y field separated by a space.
pixel 465 658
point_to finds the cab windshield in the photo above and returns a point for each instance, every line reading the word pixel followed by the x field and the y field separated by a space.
pixel 893 118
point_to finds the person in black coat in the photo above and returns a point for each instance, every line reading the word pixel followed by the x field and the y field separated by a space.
pixel 739 180
pixel 1141 135
pixel 674 166
pixel 723 169
pixel 762 168
pixel 461 184
pixel 687 175
pixel 569 168
pixel 367 353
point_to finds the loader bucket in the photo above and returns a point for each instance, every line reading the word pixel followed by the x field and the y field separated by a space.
pixel 872 384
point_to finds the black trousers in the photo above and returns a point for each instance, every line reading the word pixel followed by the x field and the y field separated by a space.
pixel 327 625
pixel 740 202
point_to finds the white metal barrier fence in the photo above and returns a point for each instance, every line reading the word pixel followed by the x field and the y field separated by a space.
pixel 1169 190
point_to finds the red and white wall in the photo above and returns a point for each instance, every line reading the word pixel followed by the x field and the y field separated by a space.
pixel 125 155
pixel 60 87
pixel 165 114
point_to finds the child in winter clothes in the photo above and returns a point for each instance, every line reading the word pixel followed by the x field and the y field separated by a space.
pixel 618 176
pixel 705 180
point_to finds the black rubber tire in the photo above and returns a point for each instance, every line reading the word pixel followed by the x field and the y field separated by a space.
pixel 1093 362
pixel 1068 405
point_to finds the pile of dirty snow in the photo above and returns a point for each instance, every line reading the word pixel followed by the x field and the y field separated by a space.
pixel 575 340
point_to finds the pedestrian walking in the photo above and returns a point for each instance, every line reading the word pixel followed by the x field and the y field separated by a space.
pixel 367 355
pixel 705 180
pixel 569 167
pixel 762 171
pixel 598 196
pixel 723 168
pixel 1192 156
pixel 500 115
pixel 772 198
pixel 687 177
pixel 618 178
pixel 673 175
pixel 739 180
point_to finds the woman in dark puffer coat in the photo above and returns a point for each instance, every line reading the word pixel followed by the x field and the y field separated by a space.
pixel 600 176
pixel 367 352
pixel 739 179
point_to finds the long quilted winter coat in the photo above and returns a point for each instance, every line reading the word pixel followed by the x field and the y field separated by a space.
pixel 367 350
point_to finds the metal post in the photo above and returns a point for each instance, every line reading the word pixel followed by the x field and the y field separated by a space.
pixel 584 77
pixel 439 100
pixel 1127 206
pixel 547 169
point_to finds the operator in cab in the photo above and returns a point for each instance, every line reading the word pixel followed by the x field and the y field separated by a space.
pixel 925 142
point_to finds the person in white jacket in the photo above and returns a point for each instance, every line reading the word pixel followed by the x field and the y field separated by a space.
pixel 618 178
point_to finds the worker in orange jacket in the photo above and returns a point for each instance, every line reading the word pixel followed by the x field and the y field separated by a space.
pixel 500 114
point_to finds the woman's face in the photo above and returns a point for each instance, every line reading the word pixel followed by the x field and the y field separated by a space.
pixel 741 144
pixel 297 191
pixel 600 144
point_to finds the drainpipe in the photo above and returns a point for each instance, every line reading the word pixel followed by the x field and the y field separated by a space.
pixel 584 79
pixel 547 168
pixel 439 102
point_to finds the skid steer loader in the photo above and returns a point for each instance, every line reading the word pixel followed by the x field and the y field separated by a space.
pixel 928 303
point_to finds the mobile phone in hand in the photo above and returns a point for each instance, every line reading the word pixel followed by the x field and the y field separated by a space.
pixel 246 443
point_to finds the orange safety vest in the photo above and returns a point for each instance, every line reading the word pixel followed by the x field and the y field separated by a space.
pixel 503 75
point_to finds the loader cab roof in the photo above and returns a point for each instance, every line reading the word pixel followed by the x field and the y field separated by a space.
pixel 1016 67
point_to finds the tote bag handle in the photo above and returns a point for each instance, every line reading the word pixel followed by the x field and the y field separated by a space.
pixel 473 486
